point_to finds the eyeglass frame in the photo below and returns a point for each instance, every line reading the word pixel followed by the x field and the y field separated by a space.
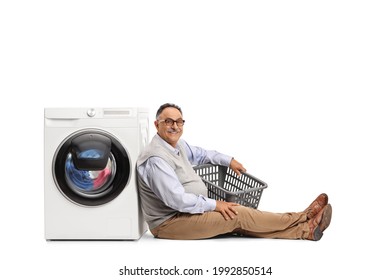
pixel 172 122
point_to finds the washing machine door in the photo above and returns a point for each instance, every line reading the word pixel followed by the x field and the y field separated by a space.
pixel 91 168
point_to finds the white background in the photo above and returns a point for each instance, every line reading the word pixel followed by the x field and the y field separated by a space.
pixel 295 90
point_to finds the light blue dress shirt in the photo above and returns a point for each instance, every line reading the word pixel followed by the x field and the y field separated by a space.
pixel 163 181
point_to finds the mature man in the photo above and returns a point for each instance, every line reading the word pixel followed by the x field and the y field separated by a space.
pixel 174 198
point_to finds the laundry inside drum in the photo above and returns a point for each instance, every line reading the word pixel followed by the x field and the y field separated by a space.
pixel 90 183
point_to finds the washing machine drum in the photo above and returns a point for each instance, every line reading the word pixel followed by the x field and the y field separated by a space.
pixel 91 168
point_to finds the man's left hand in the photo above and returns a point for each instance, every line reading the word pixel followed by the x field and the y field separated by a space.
pixel 237 167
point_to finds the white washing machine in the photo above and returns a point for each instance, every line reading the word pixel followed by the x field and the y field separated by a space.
pixel 90 182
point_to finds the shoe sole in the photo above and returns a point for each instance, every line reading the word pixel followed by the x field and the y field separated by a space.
pixel 317 234
pixel 326 218
pixel 325 221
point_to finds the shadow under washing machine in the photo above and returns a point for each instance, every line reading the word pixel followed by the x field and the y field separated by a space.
pixel 90 183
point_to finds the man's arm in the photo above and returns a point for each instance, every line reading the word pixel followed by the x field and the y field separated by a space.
pixel 162 180
pixel 197 155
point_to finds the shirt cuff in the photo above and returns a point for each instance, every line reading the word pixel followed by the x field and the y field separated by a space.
pixel 210 204
pixel 225 160
pixel 221 159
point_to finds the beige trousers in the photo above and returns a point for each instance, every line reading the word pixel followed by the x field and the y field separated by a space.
pixel 248 221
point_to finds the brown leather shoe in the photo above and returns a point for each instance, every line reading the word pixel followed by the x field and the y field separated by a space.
pixel 316 206
pixel 320 223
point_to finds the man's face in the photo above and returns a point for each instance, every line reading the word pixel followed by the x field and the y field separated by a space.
pixel 170 133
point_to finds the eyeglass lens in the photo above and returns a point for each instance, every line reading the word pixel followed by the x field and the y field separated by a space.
pixel 179 122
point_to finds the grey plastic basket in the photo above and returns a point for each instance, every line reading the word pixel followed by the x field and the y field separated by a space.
pixel 223 184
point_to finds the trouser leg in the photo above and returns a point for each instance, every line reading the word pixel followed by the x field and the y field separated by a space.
pixel 264 224
pixel 248 221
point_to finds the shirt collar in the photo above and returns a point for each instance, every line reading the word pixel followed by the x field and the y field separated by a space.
pixel 173 150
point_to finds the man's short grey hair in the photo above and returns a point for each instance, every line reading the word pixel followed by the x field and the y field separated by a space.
pixel 167 105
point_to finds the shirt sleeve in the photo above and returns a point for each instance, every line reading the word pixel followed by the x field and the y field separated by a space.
pixel 197 155
pixel 163 181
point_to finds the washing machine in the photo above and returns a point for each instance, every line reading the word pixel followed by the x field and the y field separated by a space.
pixel 90 188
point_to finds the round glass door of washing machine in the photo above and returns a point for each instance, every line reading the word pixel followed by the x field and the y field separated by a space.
pixel 91 168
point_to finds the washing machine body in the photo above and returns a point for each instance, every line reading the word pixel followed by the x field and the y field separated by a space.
pixel 90 188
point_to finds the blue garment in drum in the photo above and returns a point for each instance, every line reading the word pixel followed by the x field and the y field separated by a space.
pixel 79 178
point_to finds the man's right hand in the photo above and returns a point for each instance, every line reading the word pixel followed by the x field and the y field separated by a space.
pixel 227 209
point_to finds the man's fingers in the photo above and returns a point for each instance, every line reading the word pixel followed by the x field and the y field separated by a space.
pixel 225 215
pixel 227 209
pixel 231 213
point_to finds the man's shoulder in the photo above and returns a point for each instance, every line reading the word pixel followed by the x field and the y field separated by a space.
pixel 155 149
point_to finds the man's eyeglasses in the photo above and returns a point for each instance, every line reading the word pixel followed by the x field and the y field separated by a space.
pixel 170 122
